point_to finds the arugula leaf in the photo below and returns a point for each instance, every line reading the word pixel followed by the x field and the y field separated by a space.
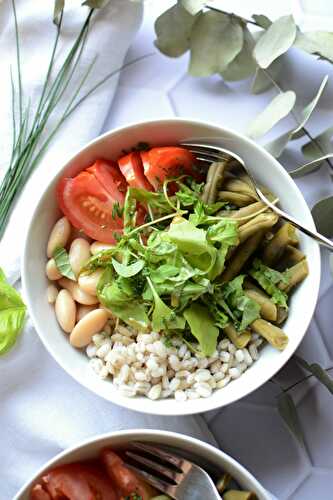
pixel 245 309
pixel 12 314
pixel 163 316
pixel 126 271
pixel 61 259
pixel 268 279
pixel 225 231
pixel 202 327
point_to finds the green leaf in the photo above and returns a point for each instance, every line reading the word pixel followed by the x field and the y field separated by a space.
pixel 216 40
pixel 173 31
pixel 61 259
pixel 12 314
pixel 163 316
pixel 309 167
pixel 278 38
pixel 261 81
pixel 331 263
pixel 262 20
pixel 318 372
pixel 188 238
pixel 193 6
pixel 322 142
pixel 322 213
pixel 57 11
pixel 288 412
pixel 277 146
pixel 225 231
pixel 202 327
pixel 278 108
pixel 268 279
pixel 316 42
pixel 244 64
pixel 95 4
pixel 307 111
pixel 129 270
pixel 244 309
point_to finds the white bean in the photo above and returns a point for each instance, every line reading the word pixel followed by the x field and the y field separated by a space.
pixel 52 294
pixel 65 310
pixel 88 282
pixel 83 311
pixel 78 295
pixel 98 246
pixel 59 235
pixel 85 329
pixel 79 254
pixel 52 271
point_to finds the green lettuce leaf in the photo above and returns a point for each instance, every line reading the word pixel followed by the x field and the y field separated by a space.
pixel 12 314
pixel 268 279
pixel 202 327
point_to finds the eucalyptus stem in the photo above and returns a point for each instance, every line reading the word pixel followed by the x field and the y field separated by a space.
pixel 303 380
pixel 236 16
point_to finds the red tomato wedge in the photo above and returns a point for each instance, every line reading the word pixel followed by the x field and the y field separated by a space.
pixel 38 493
pixel 75 482
pixel 132 169
pixel 90 200
pixel 126 480
pixel 161 163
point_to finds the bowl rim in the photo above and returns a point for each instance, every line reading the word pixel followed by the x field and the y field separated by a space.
pixel 183 439
pixel 130 403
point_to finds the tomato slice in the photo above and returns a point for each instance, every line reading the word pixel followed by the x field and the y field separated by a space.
pixel 132 169
pixel 77 482
pixel 126 480
pixel 38 493
pixel 161 163
pixel 90 207
pixel 109 175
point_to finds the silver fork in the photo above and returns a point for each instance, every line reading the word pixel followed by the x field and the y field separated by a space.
pixel 210 153
pixel 175 476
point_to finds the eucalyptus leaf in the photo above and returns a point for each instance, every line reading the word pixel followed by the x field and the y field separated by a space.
pixel 277 146
pixel 318 372
pixel 58 8
pixel 331 263
pixel 216 40
pixel 277 109
pixel 244 64
pixel 316 42
pixel 262 20
pixel 96 4
pixel 288 412
pixel 173 30
pixel 278 38
pixel 309 167
pixel 322 212
pixel 261 81
pixel 307 111
pixel 193 6
pixel 321 142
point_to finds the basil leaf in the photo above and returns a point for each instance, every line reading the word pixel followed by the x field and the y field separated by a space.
pixel 12 314
pixel 288 412
pixel 61 259
pixel 202 327
pixel 129 270
pixel 278 38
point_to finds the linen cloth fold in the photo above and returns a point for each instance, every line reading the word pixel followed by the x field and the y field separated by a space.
pixel 42 410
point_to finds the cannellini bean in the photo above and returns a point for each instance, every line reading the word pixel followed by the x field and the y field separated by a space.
pixel 78 295
pixel 52 293
pixel 52 271
pixel 98 246
pixel 79 254
pixel 65 310
pixel 59 235
pixel 78 233
pixel 88 282
pixel 87 327
pixel 82 311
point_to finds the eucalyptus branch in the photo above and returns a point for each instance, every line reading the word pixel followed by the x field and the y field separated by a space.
pixel 231 14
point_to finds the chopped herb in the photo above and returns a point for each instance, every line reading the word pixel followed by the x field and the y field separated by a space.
pixel 117 210
pixel 61 259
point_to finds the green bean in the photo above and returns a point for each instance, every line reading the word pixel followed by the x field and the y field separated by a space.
pixel 275 248
pixel 268 309
pixel 244 212
pixel 262 221
pixel 290 256
pixel 296 274
pixel 238 199
pixel 214 181
pixel 239 340
pixel 273 334
pixel 239 495
pixel 282 314
pixel 238 186
pixel 240 256
pixel 223 483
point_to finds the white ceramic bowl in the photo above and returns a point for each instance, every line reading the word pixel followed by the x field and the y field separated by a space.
pixel 110 145
pixel 211 458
